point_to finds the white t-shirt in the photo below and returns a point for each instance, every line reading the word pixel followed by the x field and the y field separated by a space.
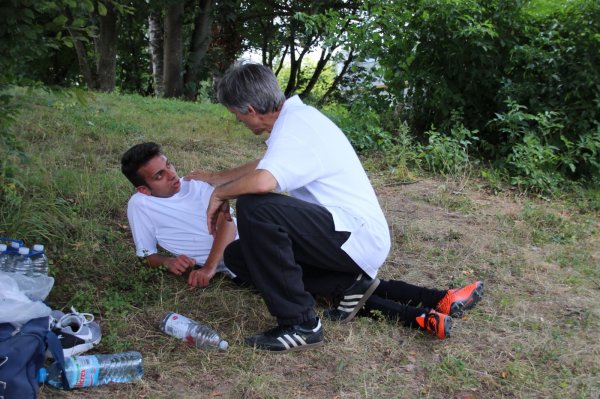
pixel 311 159
pixel 177 223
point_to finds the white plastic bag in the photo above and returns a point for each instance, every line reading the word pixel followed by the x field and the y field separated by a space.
pixel 21 297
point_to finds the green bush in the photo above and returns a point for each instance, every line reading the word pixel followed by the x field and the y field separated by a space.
pixel 554 67
pixel 537 152
pixel 534 165
pixel 448 154
pixel 483 58
pixel 444 55
pixel 362 127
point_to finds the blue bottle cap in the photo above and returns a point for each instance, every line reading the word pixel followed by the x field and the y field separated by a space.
pixel 42 374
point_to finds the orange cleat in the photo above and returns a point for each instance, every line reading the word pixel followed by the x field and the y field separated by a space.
pixel 438 324
pixel 456 301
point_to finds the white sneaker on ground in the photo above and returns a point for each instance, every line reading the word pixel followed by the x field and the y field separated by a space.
pixel 77 332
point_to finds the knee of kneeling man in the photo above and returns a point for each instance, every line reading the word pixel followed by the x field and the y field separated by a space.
pixel 247 202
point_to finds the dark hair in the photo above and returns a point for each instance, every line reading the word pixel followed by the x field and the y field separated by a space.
pixel 136 157
pixel 245 84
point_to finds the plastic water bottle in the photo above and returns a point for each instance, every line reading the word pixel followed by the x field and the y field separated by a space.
pixel 22 263
pixel 12 253
pixel 3 257
pixel 193 332
pixel 39 260
pixel 92 370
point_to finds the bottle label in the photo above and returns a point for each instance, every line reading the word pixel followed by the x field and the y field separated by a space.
pixel 84 371
pixel 177 326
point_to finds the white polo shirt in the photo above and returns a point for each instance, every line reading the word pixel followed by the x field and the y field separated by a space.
pixel 312 160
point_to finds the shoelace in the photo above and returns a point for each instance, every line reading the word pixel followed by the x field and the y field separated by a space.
pixel 432 320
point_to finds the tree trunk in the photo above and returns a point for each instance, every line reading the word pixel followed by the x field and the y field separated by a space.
pixel 291 84
pixel 295 79
pixel 338 78
pixel 325 56
pixel 173 54
pixel 199 46
pixel 107 50
pixel 281 60
pixel 84 67
pixel 155 36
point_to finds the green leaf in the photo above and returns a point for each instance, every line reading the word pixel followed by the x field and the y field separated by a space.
pixel 102 9
pixel 60 20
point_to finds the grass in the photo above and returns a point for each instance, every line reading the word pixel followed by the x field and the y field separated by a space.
pixel 536 334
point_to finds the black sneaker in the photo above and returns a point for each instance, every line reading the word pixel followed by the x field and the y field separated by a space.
pixel 288 338
pixel 353 299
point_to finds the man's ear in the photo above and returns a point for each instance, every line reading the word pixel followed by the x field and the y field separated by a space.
pixel 251 110
pixel 144 190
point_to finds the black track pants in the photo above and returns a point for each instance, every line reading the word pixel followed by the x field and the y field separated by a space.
pixel 289 249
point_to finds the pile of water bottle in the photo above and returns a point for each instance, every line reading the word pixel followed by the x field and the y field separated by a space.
pixel 93 370
pixel 15 257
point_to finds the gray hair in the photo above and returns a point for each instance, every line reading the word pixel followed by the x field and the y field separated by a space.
pixel 249 84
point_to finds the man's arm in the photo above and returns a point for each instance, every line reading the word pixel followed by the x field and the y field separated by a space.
pixel 226 231
pixel 226 176
pixel 259 181
pixel 176 265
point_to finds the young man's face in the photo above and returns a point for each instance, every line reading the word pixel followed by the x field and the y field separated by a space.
pixel 160 177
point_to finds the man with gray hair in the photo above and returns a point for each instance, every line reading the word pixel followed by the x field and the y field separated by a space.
pixel 327 237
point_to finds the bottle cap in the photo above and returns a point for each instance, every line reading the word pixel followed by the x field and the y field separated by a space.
pixel 38 247
pixel 24 251
pixel 223 345
pixel 42 375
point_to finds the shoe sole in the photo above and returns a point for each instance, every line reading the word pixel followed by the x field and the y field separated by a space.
pixel 362 301
pixel 458 308
pixel 75 350
pixel 291 349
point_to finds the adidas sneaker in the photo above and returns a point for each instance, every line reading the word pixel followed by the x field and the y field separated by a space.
pixel 353 299
pixel 288 338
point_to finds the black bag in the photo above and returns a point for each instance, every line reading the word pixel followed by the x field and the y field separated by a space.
pixel 22 355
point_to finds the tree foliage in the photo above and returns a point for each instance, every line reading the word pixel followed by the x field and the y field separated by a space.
pixel 484 58
pixel 291 30
pixel 521 75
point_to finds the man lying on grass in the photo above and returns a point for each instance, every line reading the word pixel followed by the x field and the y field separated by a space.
pixel 171 212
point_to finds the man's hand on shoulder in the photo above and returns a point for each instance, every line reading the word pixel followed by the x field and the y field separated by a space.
pixel 179 264
pixel 201 277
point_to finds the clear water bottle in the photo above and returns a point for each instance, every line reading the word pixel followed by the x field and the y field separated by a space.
pixel 193 332
pixel 39 260
pixel 92 370
pixel 12 252
pixel 22 262
pixel 3 257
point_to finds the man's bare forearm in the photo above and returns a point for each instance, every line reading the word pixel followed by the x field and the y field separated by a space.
pixel 226 176
pixel 226 231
